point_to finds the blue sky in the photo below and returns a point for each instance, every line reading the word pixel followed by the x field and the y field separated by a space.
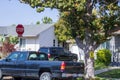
pixel 14 12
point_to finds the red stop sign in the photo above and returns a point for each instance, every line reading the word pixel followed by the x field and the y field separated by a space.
pixel 19 30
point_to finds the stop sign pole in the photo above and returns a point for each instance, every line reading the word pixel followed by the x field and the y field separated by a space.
pixel 20 30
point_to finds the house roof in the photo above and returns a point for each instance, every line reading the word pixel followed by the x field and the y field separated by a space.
pixel 117 32
pixel 29 30
pixel 3 30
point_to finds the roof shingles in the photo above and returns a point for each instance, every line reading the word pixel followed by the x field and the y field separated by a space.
pixel 29 30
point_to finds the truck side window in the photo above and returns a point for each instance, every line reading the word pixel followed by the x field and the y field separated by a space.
pixel 13 56
pixel 33 56
pixel 42 57
pixel 23 56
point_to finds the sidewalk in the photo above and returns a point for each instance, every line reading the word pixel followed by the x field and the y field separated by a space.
pixel 106 69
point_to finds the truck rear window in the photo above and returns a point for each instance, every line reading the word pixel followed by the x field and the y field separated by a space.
pixel 46 50
pixel 38 56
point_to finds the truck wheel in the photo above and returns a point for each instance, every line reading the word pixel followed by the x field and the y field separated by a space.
pixel 17 78
pixel 1 76
pixel 74 60
pixel 72 79
pixel 45 76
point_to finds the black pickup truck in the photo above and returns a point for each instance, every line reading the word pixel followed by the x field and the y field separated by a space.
pixel 31 64
pixel 59 53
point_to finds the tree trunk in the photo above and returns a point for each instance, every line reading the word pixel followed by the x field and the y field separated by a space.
pixel 88 59
pixel 89 67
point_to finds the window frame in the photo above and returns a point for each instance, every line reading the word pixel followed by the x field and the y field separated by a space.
pixel 22 42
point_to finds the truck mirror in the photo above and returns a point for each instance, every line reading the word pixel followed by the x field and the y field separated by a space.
pixel 7 59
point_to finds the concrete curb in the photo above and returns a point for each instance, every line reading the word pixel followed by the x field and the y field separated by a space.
pixel 106 69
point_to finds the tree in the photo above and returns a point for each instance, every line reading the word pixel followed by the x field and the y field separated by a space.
pixel 13 39
pixel 61 31
pixel 91 22
pixel 46 20
pixel 8 45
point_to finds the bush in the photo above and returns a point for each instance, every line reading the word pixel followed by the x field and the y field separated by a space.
pixel 104 56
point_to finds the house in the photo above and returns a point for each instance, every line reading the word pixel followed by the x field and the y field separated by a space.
pixel 34 36
pixel 113 45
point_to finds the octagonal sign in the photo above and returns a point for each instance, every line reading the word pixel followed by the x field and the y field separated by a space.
pixel 20 30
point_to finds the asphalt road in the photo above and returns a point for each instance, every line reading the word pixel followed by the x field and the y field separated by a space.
pixel 10 78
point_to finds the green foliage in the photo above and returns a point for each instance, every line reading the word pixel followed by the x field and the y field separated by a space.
pixel 47 20
pixel 61 31
pixel 89 22
pixel 8 45
pixel 96 19
pixel 2 38
pixel 13 40
pixel 99 65
pixel 38 22
pixel 91 54
pixel 104 56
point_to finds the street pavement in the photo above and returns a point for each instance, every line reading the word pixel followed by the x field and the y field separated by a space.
pixel 96 72
pixel 10 78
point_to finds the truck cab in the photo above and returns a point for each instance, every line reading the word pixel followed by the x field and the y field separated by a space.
pixel 32 64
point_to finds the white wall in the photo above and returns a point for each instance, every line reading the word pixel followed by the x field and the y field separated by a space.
pixel 75 49
pixel 32 44
pixel 46 38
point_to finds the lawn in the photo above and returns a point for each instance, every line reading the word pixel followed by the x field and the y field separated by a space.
pixel 110 74
pixel 115 73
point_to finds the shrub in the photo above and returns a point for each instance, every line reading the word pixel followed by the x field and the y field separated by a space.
pixel 7 48
pixel 104 56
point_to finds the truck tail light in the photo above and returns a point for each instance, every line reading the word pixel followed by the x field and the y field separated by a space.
pixel 48 55
pixel 63 65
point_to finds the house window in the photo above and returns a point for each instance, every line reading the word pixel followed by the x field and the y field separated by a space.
pixel 22 42
pixel 54 42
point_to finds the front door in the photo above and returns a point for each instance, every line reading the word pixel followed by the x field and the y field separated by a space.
pixel 9 65
pixel 21 65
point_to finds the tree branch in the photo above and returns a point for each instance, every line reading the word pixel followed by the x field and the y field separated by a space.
pixel 79 43
pixel 113 31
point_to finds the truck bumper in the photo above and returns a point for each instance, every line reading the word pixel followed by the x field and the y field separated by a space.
pixel 71 75
pixel 65 75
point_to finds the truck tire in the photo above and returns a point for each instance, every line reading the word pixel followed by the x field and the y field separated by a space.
pixel 1 76
pixel 72 79
pixel 45 76
pixel 17 78
pixel 74 60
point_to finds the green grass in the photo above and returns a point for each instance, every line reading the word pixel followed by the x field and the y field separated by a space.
pixel 115 73
pixel 110 74
pixel 100 66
